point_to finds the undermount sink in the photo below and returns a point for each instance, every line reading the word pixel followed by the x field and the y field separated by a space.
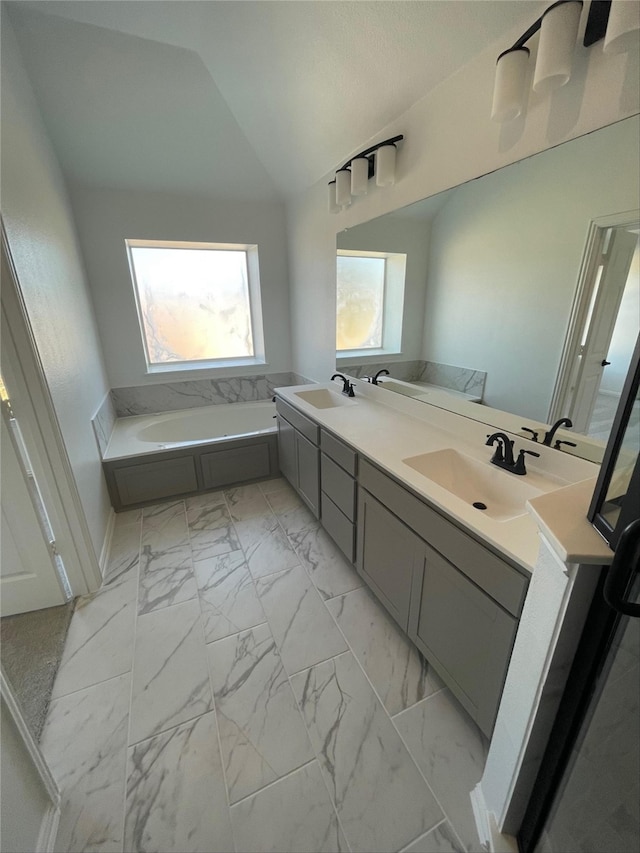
pixel 324 398
pixel 401 388
pixel 496 493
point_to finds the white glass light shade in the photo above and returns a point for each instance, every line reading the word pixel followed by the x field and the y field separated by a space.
pixel 343 187
pixel 333 205
pixel 623 28
pixel 359 176
pixel 510 87
pixel 556 47
pixel 386 165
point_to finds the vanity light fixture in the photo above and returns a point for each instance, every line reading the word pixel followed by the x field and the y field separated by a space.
pixel 353 178
pixel 558 27
pixel 623 29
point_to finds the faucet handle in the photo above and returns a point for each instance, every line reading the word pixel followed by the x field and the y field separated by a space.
pixel 534 433
pixel 519 467
pixel 557 445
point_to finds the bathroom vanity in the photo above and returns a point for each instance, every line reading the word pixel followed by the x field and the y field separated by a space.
pixel 452 577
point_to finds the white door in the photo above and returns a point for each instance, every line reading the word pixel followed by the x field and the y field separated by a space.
pixel 593 358
pixel 28 572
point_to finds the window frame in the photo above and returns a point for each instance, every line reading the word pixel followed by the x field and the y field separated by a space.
pixel 255 306
pixel 392 305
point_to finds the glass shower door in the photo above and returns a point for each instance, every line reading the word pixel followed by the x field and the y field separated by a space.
pixel 597 809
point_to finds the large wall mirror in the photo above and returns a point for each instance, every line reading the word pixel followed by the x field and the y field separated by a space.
pixel 518 287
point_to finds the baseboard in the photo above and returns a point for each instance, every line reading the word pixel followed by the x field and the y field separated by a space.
pixel 49 830
pixel 105 553
pixel 616 394
pixel 491 838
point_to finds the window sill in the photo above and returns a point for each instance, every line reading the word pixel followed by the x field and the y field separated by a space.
pixel 367 355
pixel 211 366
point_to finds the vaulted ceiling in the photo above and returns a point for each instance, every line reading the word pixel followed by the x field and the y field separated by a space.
pixel 237 98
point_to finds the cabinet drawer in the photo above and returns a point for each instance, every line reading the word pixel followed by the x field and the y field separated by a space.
pixel 224 467
pixel 338 526
pixel 500 580
pixel 156 480
pixel 339 452
pixel 467 637
pixel 339 486
pixel 302 423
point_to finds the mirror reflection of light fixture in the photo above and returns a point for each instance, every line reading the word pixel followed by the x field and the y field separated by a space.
pixel 359 176
pixel 334 207
pixel 558 27
pixel 386 165
pixel 343 187
pixel 624 26
pixel 353 178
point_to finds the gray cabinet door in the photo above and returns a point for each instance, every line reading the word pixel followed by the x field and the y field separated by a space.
pixel 308 467
pixel 466 636
pixel 287 451
pixel 390 556
pixel 156 480
pixel 235 465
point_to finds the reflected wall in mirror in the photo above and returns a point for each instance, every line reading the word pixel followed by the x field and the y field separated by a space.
pixel 519 285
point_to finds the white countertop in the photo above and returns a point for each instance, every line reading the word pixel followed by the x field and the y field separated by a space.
pixel 389 431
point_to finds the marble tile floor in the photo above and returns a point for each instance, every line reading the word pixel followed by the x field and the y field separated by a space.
pixel 233 686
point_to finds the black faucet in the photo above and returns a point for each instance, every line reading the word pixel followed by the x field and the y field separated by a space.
pixel 503 456
pixel 549 435
pixel 374 379
pixel 347 387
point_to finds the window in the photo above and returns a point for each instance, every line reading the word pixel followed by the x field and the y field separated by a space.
pixel 370 299
pixel 198 303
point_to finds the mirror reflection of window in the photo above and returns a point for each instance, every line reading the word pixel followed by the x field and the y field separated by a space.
pixel 370 296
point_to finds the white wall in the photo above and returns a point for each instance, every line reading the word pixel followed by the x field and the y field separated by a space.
pixel 42 238
pixel 25 800
pixel 505 258
pixel 449 139
pixel 405 236
pixel 107 217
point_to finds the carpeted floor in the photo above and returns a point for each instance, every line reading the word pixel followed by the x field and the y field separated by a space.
pixel 30 649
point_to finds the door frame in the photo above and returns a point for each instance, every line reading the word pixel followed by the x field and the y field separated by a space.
pixel 586 279
pixel 43 437
pixel 51 818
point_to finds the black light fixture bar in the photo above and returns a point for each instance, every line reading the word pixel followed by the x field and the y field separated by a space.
pixel 533 29
pixel 369 152
pixel 595 29
pixel 597 21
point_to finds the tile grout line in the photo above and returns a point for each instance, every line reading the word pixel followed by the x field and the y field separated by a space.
pixel 130 708
pixel 214 707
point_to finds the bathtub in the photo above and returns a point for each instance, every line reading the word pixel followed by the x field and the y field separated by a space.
pixel 170 454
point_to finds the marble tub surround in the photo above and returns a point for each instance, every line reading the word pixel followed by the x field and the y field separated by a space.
pixel 201 743
pixel 189 394
pixel 103 422
pixel 405 370
pixel 463 379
